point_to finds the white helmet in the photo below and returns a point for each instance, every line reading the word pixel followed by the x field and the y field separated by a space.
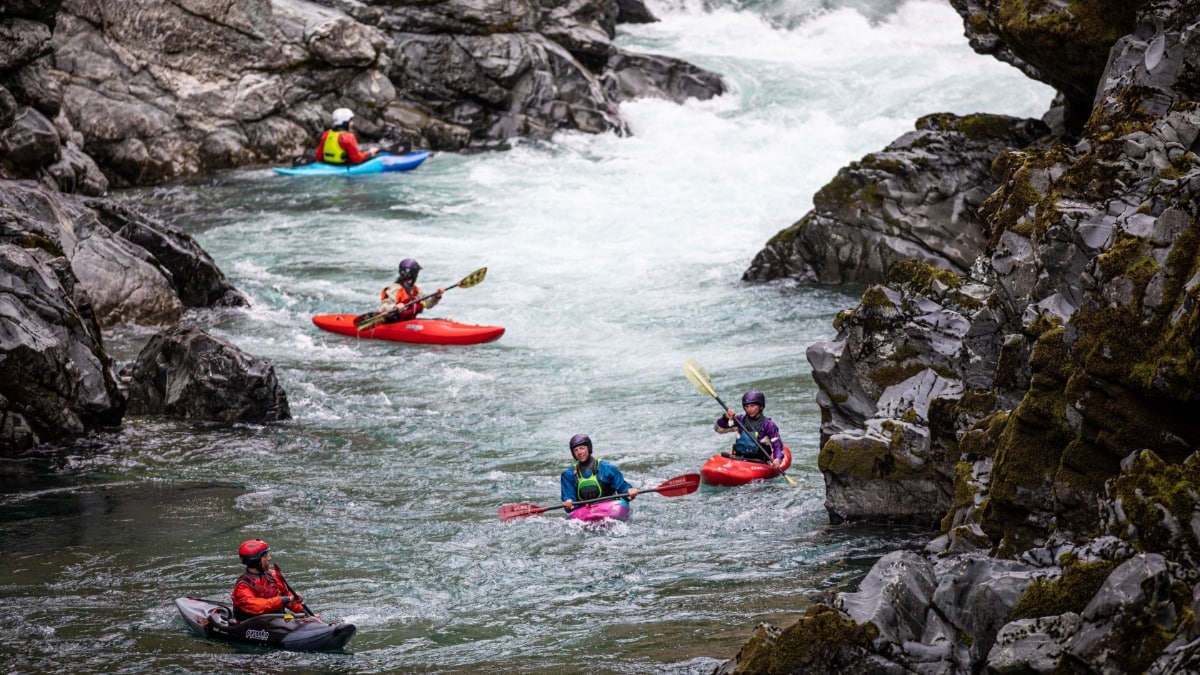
pixel 342 116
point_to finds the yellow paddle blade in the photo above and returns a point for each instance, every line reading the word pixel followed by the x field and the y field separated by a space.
pixel 473 278
pixel 699 378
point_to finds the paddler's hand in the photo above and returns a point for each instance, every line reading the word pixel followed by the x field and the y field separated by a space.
pixel 568 505
pixel 633 492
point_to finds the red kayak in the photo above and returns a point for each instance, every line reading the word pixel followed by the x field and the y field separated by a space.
pixel 730 471
pixel 422 331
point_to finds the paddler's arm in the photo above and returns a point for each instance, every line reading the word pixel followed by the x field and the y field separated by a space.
pixel 567 485
pixel 726 423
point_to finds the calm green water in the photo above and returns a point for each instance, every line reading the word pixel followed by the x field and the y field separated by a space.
pixel 611 261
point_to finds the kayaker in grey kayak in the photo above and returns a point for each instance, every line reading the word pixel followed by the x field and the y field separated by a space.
pixel 261 588
pixel 591 477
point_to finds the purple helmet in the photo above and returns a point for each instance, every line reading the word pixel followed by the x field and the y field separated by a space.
pixel 754 396
pixel 580 439
pixel 408 269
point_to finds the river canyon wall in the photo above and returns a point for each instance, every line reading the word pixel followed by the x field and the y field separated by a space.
pixel 1021 373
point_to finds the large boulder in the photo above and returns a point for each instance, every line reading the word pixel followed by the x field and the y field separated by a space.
pixel 184 372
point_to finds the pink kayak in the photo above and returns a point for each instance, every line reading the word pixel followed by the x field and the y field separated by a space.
pixel 730 471
pixel 616 509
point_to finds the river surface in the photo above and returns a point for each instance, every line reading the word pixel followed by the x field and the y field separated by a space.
pixel 611 261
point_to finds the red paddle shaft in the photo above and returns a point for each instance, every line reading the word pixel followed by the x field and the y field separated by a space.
pixel 676 487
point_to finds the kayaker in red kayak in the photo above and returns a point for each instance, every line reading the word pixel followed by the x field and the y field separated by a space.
pixel 760 432
pixel 404 290
pixel 261 589
pixel 338 145
pixel 591 477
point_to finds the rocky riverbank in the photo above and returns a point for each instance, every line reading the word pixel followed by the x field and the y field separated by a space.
pixel 96 95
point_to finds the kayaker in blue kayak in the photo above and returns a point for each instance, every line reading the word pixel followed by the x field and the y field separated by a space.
pixel 590 477
pixel 403 291
pixel 339 145
pixel 261 588
pixel 755 432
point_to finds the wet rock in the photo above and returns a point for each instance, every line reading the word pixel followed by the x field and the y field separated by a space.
pixel 184 372
pixel 916 199
pixel 56 381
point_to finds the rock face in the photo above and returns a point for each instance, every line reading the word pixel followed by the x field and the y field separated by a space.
pixel 56 380
pixel 915 200
pixel 1039 403
pixel 155 89
pixel 184 372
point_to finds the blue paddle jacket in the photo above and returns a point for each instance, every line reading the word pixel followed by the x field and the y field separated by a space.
pixel 610 479
pixel 763 428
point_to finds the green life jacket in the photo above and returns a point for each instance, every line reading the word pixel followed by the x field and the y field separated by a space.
pixel 589 487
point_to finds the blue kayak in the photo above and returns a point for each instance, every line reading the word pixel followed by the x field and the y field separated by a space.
pixel 379 164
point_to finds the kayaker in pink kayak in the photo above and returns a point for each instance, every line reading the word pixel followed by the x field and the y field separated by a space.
pixel 404 290
pixel 755 432
pixel 339 145
pixel 591 477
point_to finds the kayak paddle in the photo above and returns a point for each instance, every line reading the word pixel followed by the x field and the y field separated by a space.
pixel 372 320
pixel 699 378
pixel 288 588
pixel 676 487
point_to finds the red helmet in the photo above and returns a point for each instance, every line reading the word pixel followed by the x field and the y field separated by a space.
pixel 252 551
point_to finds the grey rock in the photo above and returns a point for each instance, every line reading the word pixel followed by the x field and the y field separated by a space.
pixel 184 372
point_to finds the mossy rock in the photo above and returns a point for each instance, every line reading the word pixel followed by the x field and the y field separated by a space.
pixel 1029 451
pixel 1071 592
pixel 823 639
pixel 1148 488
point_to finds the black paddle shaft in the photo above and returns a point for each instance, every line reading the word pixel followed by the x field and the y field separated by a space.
pixel 742 429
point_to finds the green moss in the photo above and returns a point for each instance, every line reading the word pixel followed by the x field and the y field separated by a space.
pixel 1029 449
pixel 964 494
pixel 1151 486
pixel 788 235
pixel 839 193
pixel 819 639
pixel 894 373
pixel 870 459
pixel 1069 593
pixel 918 276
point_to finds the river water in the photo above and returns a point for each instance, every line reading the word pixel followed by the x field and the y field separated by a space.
pixel 611 261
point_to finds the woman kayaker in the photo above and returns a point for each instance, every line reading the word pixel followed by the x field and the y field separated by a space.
pixel 338 145
pixel 403 291
pixel 261 589
pixel 760 432
pixel 590 477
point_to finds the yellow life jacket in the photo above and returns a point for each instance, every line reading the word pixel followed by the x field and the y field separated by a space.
pixel 332 152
